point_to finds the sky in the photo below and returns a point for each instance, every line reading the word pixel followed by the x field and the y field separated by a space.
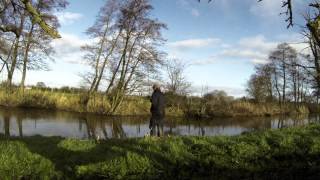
pixel 220 42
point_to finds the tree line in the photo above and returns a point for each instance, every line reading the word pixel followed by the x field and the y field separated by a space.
pixel 291 76
pixel 125 57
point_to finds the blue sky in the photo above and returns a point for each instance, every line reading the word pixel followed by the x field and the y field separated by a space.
pixel 221 41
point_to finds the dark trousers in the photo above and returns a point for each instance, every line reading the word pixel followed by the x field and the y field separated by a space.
pixel 156 125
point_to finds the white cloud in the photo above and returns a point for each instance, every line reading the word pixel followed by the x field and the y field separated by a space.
pixel 68 47
pixel 258 43
pixel 203 62
pixel 195 12
pixel 297 41
pixel 259 61
pixel 243 53
pixel 231 91
pixel 301 47
pixel 194 43
pixel 67 18
pixel 255 49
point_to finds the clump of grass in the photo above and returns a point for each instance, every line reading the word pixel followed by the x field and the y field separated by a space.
pixel 131 165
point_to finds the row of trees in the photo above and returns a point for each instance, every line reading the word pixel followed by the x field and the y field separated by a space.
pixel 283 78
pixel 290 75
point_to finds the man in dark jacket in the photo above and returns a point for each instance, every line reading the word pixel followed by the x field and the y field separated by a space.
pixel 157 110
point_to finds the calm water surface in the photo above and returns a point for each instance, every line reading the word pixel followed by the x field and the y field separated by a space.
pixel 28 122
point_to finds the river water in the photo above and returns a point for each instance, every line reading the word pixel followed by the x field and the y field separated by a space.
pixel 29 122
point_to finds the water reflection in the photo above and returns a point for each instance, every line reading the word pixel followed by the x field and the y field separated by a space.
pixel 27 122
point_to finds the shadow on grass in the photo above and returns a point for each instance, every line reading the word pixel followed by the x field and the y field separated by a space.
pixel 272 155
pixel 66 154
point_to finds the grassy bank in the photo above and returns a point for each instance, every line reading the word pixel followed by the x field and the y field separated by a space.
pixel 238 108
pixel 68 101
pixel 292 153
pixel 140 105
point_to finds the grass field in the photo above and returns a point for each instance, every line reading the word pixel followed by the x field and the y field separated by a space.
pixel 291 153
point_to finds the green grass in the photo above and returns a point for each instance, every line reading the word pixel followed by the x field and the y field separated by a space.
pixel 287 153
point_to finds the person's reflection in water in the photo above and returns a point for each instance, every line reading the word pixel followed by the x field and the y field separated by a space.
pixel 19 122
pixel 139 128
pixel 6 124
pixel 80 125
pixel 203 132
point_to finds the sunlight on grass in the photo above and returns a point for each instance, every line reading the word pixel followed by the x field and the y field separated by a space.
pixel 77 145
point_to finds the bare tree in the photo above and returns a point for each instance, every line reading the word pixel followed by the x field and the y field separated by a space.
pixel 177 84
pixel 140 36
pixel 106 31
pixel 280 58
pixel 126 49
pixel 288 76
pixel 260 86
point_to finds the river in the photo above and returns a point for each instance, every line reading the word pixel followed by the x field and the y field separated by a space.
pixel 29 122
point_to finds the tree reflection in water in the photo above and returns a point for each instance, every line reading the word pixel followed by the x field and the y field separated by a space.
pixel 103 129
pixel 96 126
pixel 117 129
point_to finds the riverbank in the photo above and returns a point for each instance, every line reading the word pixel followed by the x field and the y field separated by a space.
pixel 291 153
pixel 73 102
pixel 194 107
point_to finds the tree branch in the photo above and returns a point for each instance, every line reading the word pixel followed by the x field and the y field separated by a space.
pixel 10 28
pixel 36 18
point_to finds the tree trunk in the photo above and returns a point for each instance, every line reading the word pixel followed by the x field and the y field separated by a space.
pixel 98 79
pixel 118 66
pixel 15 54
pixel 93 84
pixel 25 58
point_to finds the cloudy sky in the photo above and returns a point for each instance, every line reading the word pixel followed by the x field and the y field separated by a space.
pixel 221 41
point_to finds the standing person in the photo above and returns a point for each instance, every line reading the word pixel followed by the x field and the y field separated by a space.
pixel 157 111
